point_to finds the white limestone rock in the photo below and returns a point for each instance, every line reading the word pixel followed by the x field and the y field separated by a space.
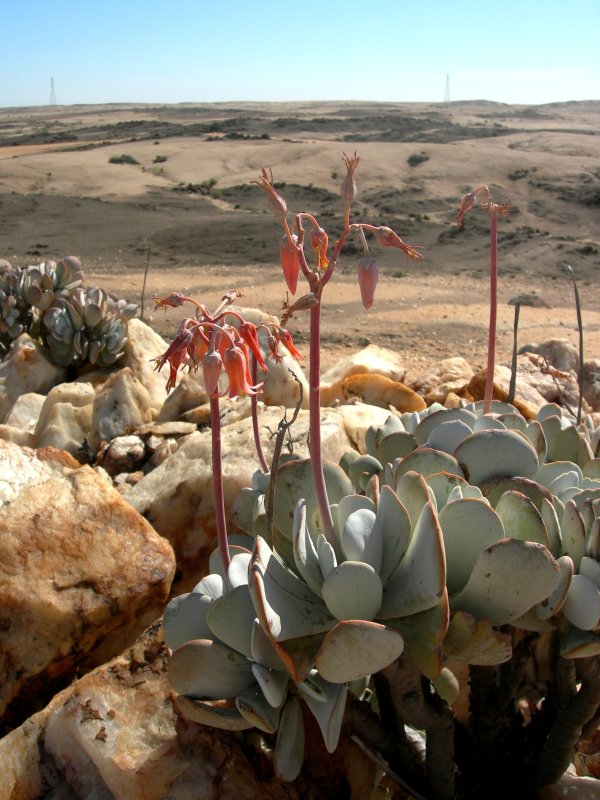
pixel 27 368
pixel 65 420
pixel 187 394
pixel 143 344
pixel 120 407
pixel 26 411
pixel 77 564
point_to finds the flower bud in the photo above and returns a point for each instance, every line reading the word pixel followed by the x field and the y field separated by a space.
pixel 319 241
pixel 290 262
pixel 211 369
pixel 368 274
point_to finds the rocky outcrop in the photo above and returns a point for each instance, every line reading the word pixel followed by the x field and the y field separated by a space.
pixel 81 572
pixel 116 735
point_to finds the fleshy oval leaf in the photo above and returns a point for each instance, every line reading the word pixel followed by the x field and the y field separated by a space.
pixel 209 670
pixel 582 603
pixel 468 528
pixel 289 749
pixel 185 619
pixel 509 578
pixel 497 453
pixel 356 648
pixel 419 581
pixel 217 714
pixel 353 590
pixel 521 519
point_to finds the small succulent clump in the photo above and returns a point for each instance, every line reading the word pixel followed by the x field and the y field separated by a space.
pixel 50 302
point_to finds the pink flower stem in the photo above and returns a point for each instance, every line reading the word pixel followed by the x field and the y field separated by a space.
pixel 217 468
pixel 254 409
pixel 491 359
pixel 314 408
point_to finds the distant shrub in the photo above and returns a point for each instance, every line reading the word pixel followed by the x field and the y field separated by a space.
pixel 417 158
pixel 124 159
pixel 159 159
pixel 204 188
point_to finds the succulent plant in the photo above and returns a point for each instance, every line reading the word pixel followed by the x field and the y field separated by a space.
pixel 86 326
pixel 453 525
pixel 49 302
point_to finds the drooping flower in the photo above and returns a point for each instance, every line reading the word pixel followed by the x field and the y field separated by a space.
pixel 368 274
pixel 236 366
pixel 176 354
pixel 319 241
pixel 285 337
pixel 277 204
pixel 466 204
pixel 248 333
pixel 290 261
pixel 388 238
pixel 173 300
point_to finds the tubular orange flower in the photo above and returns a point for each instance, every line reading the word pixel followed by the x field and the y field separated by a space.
pixel 368 275
pixel 319 241
pixel 389 238
pixel 236 367
pixel 277 204
pixel 286 340
pixel 290 261
pixel 199 346
pixel 176 354
pixel 248 333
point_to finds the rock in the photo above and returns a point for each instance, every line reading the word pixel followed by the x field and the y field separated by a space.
pixel 188 394
pixel 371 359
pixel 27 368
pixel 65 420
pixel 143 344
pixel 452 375
pixel 116 735
pixel 560 353
pixel 26 411
pixel 120 407
pixel 591 383
pixel 177 497
pixel 79 569
pixel 122 454
pixel 527 399
pixel 358 418
pixel 530 299
pixel 555 385
pixel 10 434
pixel 377 390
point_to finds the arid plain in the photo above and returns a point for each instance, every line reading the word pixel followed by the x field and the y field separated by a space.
pixel 182 202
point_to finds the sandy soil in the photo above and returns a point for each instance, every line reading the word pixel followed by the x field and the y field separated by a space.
pixel 187 207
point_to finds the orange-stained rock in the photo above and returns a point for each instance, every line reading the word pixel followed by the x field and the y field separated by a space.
pixel 81 572
pixel 377 390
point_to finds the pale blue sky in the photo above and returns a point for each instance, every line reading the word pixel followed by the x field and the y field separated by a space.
pixel 514 51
